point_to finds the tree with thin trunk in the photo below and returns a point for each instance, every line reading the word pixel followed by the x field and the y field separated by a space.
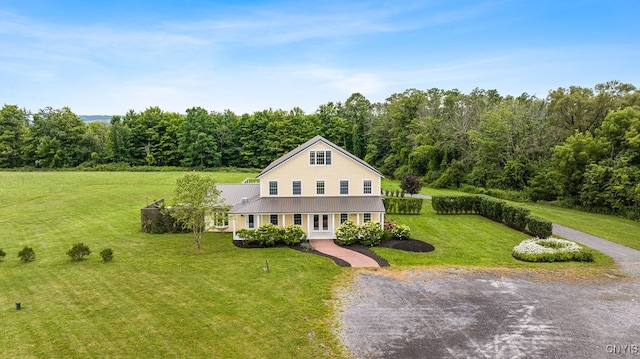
pixel 195 196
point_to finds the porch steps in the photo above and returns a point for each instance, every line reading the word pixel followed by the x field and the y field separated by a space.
pixel 355 259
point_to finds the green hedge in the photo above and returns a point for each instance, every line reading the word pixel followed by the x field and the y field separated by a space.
pixel 402 205
pixel 515 217
pixel 268 235
pixel 539 227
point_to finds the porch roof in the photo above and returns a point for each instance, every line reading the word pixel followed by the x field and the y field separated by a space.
pixel 275 205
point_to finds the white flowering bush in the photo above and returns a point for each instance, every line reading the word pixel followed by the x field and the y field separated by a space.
pixel 401 231
pixel 551 250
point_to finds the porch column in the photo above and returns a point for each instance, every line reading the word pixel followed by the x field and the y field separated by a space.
pixel 358 218
pixel 283 221
pixel 233 225
pixel 308 224
pixel 382 219
pixel 257 220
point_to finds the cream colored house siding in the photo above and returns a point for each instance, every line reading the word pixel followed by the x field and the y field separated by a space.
pixel 260 219
pixel 341 168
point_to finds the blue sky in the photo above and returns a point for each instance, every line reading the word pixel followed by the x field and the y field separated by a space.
pixel 108 57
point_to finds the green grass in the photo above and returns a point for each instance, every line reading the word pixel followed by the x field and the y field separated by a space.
pixel 159 297
pixel 616 229
pixel 468 240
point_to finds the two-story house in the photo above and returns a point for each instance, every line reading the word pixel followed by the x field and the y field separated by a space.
pixel 317 186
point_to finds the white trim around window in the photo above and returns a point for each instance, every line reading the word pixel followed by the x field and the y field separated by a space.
pixel 320 157
pixel 343 186
pixel 367 187
pixel 293 187
pixel 366 217
pixel 321 186
pixel 273 188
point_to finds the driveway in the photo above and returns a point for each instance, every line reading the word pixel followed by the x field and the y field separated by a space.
pixel 464 313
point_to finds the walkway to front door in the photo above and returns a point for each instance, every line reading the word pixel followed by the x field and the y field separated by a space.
pixel 354 258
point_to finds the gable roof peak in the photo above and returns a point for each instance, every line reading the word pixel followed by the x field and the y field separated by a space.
pixel 310 143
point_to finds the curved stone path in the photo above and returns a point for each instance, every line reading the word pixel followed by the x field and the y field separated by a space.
pixel 355 259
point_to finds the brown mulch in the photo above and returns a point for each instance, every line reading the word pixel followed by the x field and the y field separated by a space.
pixel 409 245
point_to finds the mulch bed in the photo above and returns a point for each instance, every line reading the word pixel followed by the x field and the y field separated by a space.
pixel 409 245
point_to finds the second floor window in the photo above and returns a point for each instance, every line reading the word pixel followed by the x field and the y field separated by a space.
pixel 366 187
pixel 319 187
pixel 273 188
pixel 296 189
pixel 320 158
pixel 344 187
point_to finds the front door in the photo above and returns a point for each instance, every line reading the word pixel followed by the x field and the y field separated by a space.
pixel 321 224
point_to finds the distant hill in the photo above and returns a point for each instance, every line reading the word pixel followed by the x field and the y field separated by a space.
pixel 93 118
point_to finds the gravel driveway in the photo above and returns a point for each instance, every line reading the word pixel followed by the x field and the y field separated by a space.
pixel 461 313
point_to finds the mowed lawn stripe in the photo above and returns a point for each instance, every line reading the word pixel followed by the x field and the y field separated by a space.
pixel 160 297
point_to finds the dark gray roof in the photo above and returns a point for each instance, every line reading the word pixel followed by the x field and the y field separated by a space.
pixel 232 193
pixel 310 143
pixel 310 205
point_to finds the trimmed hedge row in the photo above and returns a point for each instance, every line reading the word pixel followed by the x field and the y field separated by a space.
pixel 268 235
pixel 515 217
pixel 402 205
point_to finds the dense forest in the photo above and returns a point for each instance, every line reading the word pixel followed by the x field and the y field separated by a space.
pixel 578 146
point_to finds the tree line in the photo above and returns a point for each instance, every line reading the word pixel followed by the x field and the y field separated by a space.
pixel 578 144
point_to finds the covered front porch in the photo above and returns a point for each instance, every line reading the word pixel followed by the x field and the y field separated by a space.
pixel 315 225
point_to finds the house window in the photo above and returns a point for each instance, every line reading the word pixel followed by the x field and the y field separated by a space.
pixel 251 221
pixel 344 187
pixel 220 220
pixel 343 217
pixel 296 188
pixel 273 218
pixel 273 188
pixel 366 187
pixel 320 158
pixel 297 219
pixel 367 217
pixel 319 187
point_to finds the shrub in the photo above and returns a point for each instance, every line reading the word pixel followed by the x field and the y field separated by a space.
pixel 106 254
pixel 402 205
pixel 348 233
pixel 2 254
pixel 539 227
pixel 27 254
pixel 307 246
pixel 267 235
pixel 292 235
pixel 515 217
pixel 371 234
pixel 78 251
pixel 550 250
pixel 401 231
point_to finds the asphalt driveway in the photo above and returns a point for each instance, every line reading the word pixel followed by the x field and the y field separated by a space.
pixel 461 313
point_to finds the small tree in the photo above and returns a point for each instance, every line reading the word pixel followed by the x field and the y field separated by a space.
pixel 195 196
pixel 2 254
pixel 27 254
pixel 411 184
pixel 106 254
pixel 78 251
